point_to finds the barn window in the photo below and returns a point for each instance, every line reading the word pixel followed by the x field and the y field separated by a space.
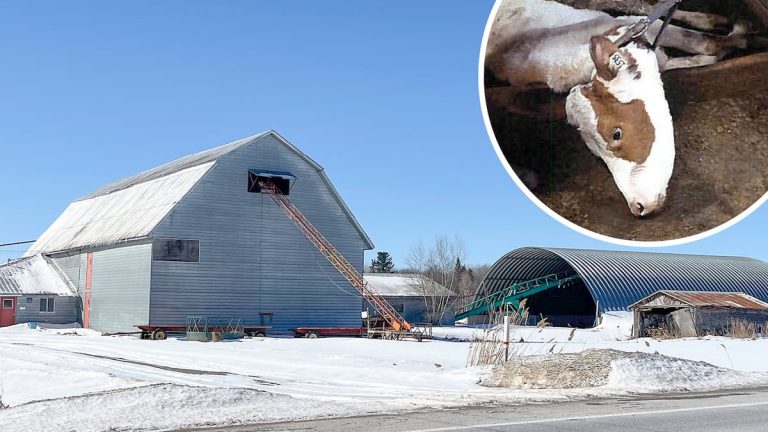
pixel 7 303
pixel 176 250
pixel 47 304
pixel 29 299
pixel 281 179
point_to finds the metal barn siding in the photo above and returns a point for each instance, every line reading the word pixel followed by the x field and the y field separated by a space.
pixel 64 310
pixel 412 309
pixel 120 292
pixel 617 279
pixel 253 259
pixel 72 265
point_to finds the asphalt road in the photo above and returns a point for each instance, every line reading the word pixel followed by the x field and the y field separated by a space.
pixel 742 411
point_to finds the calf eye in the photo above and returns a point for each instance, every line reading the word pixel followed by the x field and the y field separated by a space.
pixel 617 134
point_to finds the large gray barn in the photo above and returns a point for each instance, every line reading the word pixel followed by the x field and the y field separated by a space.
pixel 194 237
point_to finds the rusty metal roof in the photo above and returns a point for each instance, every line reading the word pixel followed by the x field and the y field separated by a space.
pixel 738 300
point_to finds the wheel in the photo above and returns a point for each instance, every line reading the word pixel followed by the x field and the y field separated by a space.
pixel 159 334
pixel 260 334
pixel 311 335
pixel 144 335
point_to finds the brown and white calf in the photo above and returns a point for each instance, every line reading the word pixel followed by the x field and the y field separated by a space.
pixel 616 98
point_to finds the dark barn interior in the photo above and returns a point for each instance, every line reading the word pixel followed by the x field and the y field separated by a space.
pixel 569 306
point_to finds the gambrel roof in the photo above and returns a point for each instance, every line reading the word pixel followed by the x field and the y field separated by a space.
pixel 131 208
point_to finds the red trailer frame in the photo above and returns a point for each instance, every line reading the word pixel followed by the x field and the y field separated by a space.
pixel 160 331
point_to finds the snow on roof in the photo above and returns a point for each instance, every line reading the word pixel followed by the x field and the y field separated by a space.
pixel 123 214
pixel 130 208
pixel 33 275
pixel 403 285
pixel 197 159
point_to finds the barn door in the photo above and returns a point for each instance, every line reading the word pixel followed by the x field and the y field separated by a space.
pixel 88 283
pixel 7 311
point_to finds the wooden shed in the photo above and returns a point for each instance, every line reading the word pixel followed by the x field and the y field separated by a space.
pixel 697 313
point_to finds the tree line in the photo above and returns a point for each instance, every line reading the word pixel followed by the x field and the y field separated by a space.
pixel 441 263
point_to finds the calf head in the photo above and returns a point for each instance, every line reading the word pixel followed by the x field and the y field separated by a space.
pixel 623 117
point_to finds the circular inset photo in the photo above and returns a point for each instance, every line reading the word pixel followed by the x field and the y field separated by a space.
pixel 631 120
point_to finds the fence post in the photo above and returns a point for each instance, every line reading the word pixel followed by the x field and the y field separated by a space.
pixel 506 337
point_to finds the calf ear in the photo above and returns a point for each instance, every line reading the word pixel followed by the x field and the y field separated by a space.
pixel 601 49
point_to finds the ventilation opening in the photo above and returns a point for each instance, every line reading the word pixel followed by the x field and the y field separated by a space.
pixel 282 180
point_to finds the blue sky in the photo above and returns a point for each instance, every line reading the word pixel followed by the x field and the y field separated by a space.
pixel 382 94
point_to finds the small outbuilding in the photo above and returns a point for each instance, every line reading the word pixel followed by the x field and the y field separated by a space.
pixel 33 290
pixel 697 313
pixel 417 298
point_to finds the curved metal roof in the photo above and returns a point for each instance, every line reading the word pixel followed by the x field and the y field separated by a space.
pixel 617 279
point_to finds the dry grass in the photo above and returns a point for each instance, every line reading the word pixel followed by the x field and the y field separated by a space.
pixel 487 347
pixel 662 332
pixel 741 329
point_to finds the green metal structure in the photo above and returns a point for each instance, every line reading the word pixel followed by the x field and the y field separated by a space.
pixel 200 328
pixel 515 294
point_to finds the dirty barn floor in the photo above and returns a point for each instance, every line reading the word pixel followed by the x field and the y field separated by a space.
pixel 721 169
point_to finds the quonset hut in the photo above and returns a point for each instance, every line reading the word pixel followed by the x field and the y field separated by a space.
pixel 194 237
pixel 574 286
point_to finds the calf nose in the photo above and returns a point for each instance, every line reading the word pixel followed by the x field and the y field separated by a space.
pixel 641 209
pixel 636 208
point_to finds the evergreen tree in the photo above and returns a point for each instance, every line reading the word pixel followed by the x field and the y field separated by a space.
pixel 382 263
pixel 459 269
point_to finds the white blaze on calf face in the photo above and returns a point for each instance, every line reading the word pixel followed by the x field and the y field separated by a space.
pixel 623 117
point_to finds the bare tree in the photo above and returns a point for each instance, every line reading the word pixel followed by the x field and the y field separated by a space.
pixel 437 280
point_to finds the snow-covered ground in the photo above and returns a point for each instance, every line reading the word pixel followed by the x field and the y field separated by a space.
pixel 66 379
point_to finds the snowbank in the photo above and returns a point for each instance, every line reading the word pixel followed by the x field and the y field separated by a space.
pixel 621 371
pixel 653 373
pixel 162 406
pixel 614 326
